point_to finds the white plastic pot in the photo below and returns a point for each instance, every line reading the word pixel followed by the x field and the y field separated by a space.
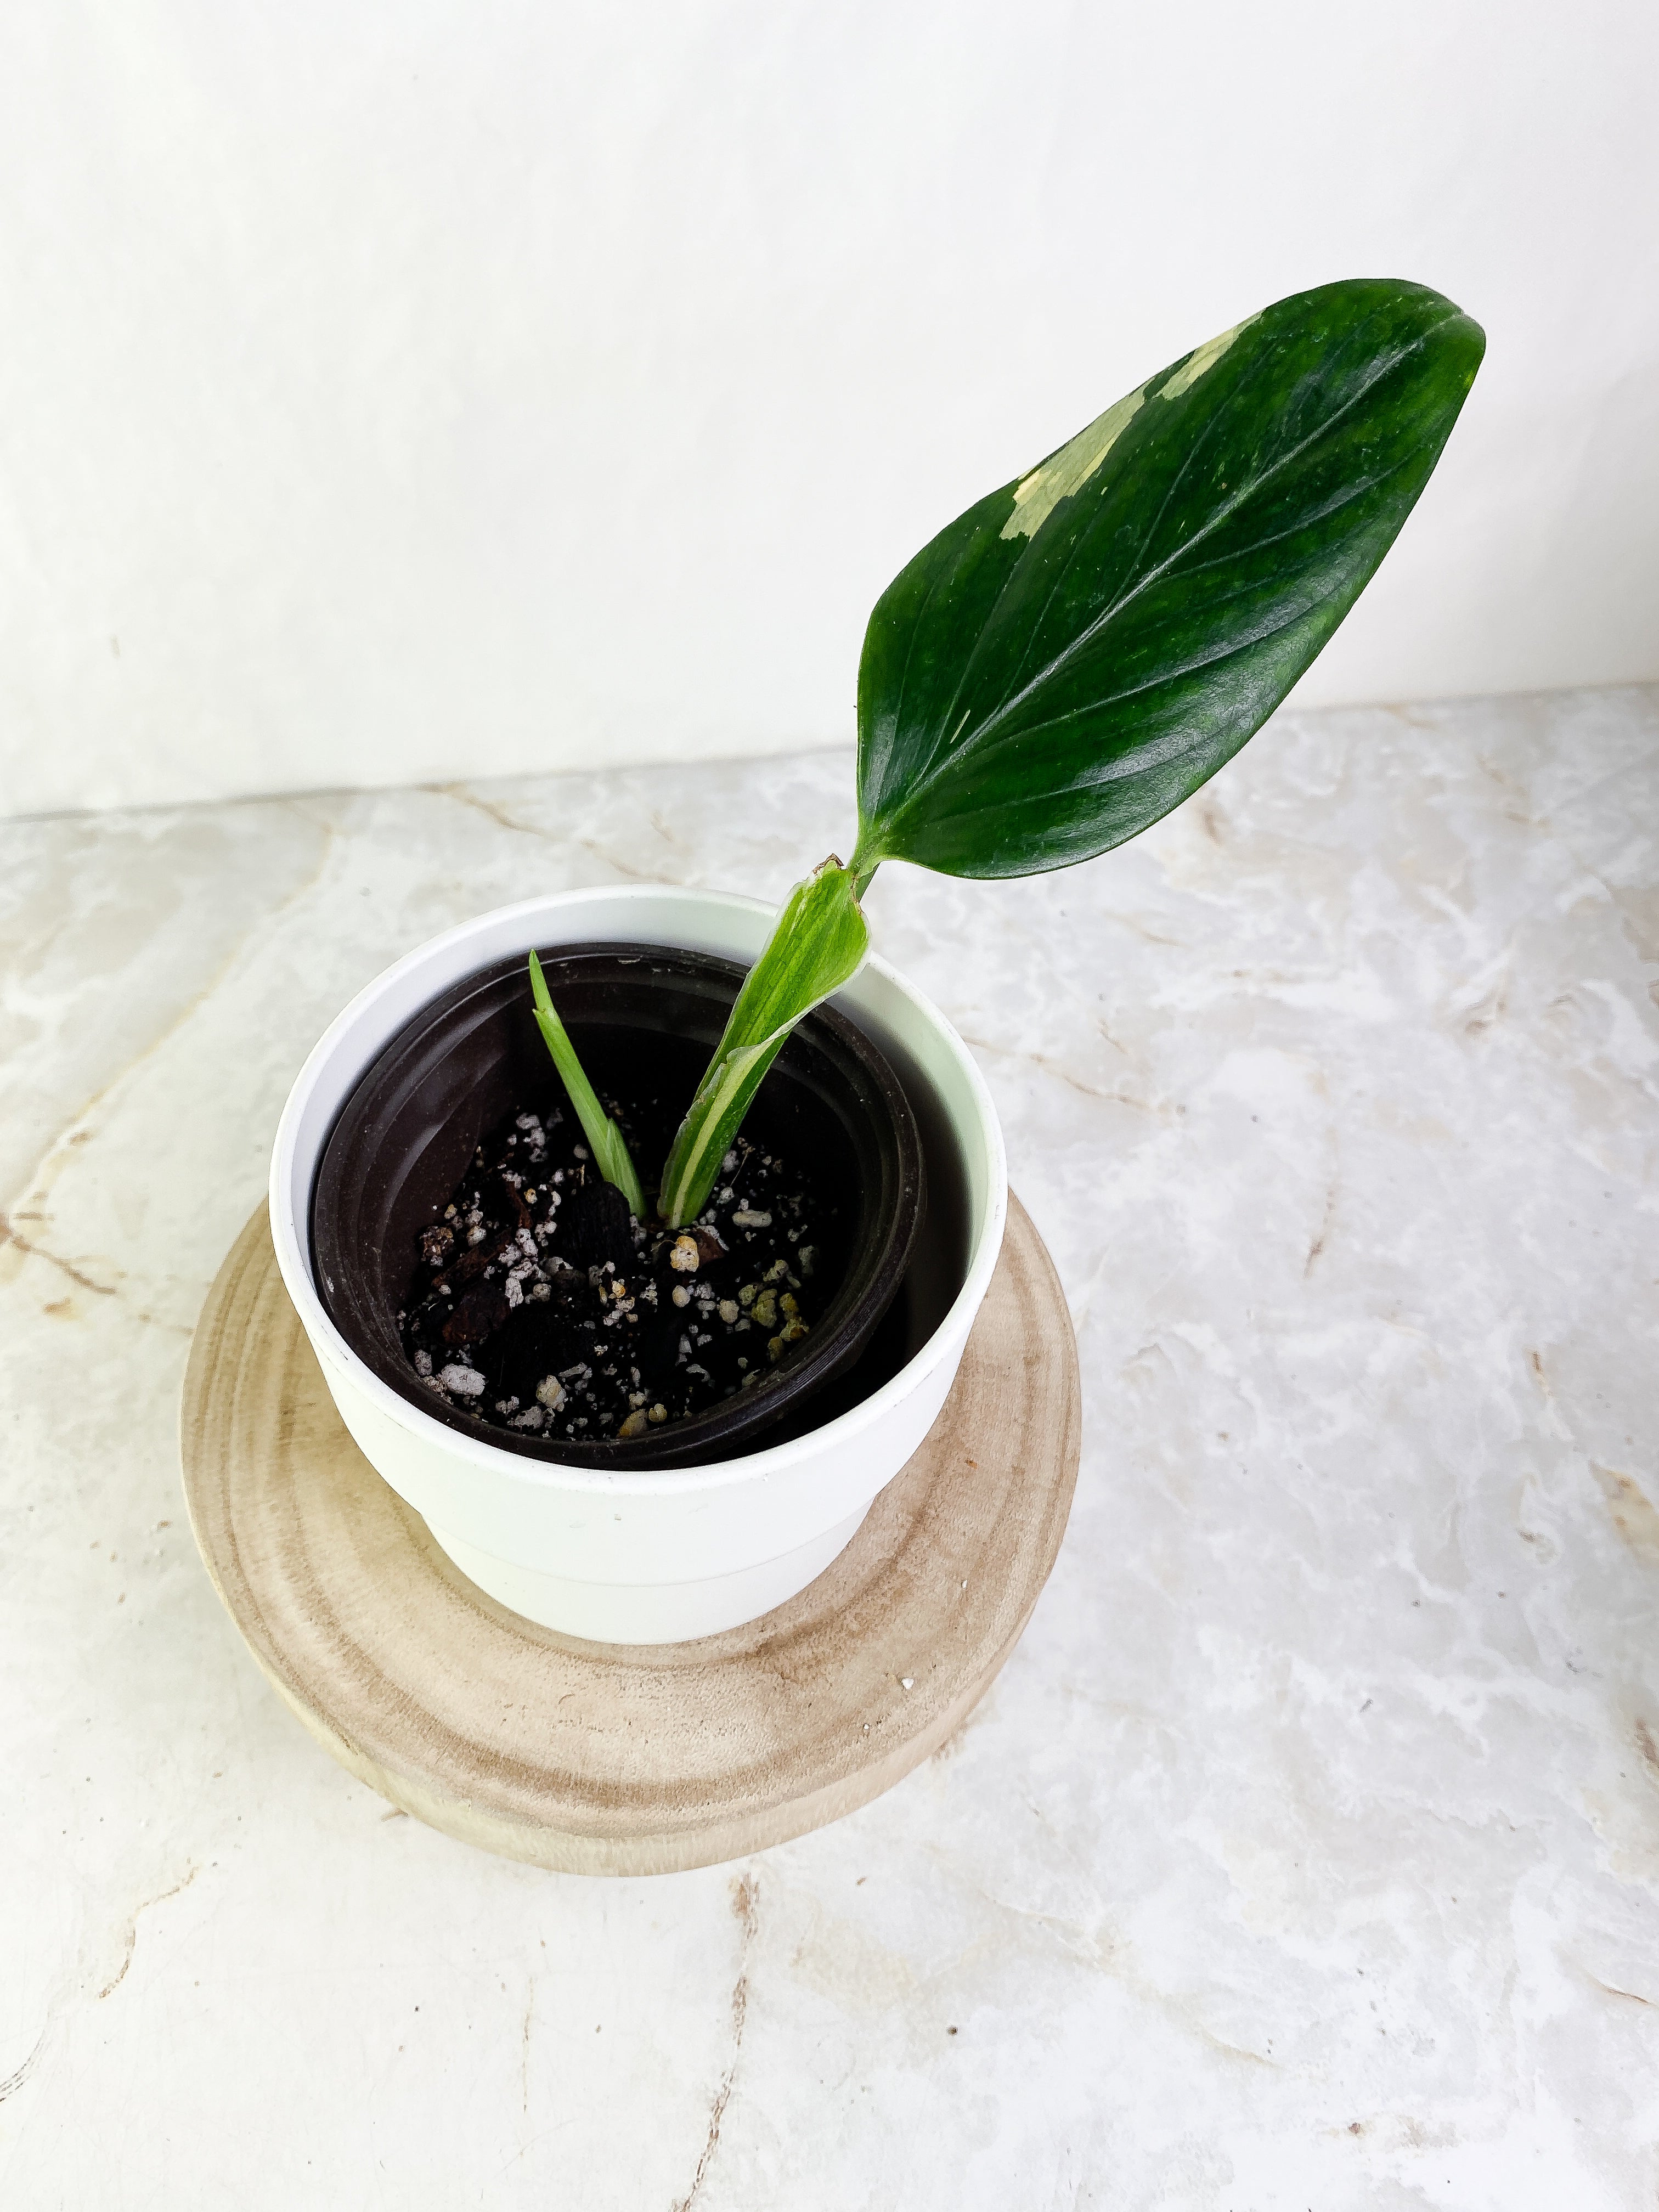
pixel 653 1557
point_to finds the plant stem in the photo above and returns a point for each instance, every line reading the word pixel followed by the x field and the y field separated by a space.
pixel 818 943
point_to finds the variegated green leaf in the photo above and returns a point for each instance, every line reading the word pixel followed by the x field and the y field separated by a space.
pixel 1076 654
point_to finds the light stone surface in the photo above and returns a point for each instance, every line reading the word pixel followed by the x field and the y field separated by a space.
pixel 1307 1852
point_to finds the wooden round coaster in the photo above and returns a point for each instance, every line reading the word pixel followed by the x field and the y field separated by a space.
pixel 609 1759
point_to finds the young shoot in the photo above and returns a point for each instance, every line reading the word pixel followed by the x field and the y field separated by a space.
pixel 605 1138
pixel 1086 646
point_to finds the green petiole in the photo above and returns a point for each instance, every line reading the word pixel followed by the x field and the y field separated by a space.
pixel 817 943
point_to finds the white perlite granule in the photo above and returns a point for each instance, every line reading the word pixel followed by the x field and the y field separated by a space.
pixel 464 1382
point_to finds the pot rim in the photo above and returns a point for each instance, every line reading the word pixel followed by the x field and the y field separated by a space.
pixel 293 1247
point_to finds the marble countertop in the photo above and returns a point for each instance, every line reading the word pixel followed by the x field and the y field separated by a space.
pixel 1306 1854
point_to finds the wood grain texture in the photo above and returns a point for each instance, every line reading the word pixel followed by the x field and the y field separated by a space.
pixel 608 1758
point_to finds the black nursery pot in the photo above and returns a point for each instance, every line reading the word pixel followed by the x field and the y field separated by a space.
pixel 645 1021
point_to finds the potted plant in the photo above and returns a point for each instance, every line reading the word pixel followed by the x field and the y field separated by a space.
pixel 633 1263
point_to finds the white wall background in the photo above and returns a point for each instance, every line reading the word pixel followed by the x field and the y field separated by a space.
pixel 397 393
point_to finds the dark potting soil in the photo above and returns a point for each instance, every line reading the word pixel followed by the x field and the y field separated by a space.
pixel 538 1304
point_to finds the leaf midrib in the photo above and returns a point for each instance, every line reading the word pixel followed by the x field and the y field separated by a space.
pixel 1125 769
pixel 1223 653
